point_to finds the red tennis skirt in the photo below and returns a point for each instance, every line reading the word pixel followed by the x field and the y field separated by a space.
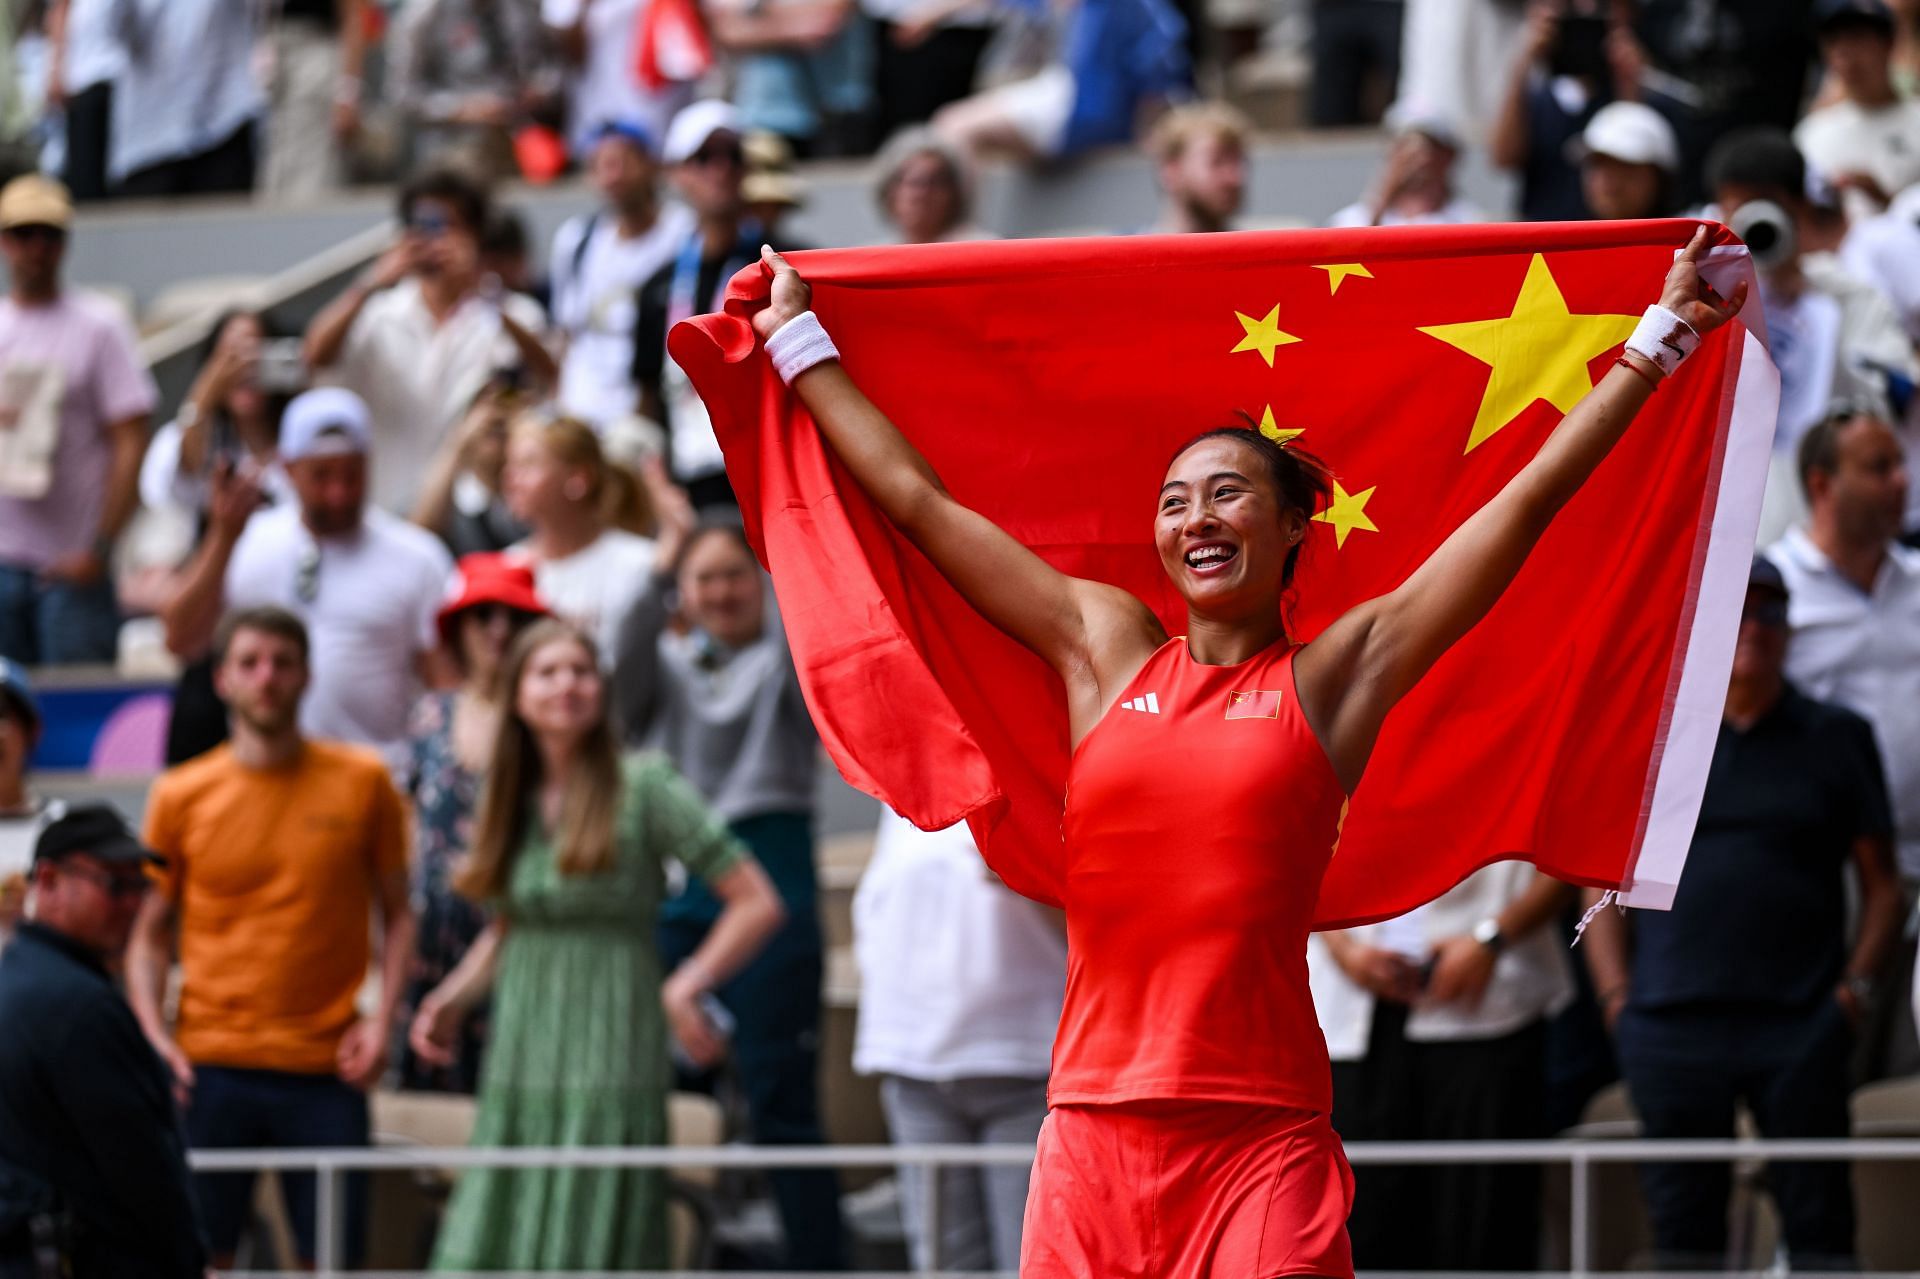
pixel 1187 1190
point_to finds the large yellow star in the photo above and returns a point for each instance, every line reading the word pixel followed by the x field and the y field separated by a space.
pixel 1539 352
pixel 1262 335
pixel 1347 512
pixel 1274 431
pixel 1337 273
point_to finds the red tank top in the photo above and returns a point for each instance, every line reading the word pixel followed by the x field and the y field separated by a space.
pixel 1201 814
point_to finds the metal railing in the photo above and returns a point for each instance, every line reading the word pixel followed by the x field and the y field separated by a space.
pixel 1580 1155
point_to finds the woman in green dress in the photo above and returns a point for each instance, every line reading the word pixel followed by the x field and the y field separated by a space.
pixel 569 852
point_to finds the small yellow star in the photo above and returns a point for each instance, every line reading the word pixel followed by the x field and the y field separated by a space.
pixel 1274 431
pixel 1262 335
pixel 1347 512
pixel 1337 273
pixel 1538 352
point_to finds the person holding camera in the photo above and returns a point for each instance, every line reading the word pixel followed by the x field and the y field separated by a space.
pixel 93 1162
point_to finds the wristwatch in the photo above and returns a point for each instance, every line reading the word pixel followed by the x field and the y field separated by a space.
pixel 1487 933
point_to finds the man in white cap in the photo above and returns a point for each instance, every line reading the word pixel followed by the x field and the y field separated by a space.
pixel 706 161
pixel 1628 157
pixel 367 584
pixel 74 402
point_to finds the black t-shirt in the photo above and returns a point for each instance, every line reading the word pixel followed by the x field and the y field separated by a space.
pixel 1549 181
pixel 1760 915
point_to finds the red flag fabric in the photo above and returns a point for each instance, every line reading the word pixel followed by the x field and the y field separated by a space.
pixel 1050 382
pixel 670 44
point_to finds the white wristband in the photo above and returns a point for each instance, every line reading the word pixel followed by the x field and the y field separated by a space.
pixel 1663 339
pixel 798 345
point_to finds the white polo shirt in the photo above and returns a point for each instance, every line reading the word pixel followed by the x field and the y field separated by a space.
pixel 1530 980
pixel 1861 649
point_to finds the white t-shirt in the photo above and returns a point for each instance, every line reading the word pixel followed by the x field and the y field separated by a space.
pixel 595 587
pixel 418 377
pixel 1883 143
pixel 164 486
pixel 606 86
pixel 1884 250
pixel 1862 650
pixel 960 977
pixel 374 596
pixel 597 304
pixel 1453 211
pixel 1530 980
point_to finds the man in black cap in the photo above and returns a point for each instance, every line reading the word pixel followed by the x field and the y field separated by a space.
pixel 93 1164
pixel 1747 990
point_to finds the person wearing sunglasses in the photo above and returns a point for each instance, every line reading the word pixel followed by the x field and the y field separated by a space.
pixel 1750 988
pixel 93 1163
pixel 74 402
pixel 707 164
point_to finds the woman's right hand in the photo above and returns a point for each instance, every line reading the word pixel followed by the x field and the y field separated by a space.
pixel 435 1030
pixel 790 296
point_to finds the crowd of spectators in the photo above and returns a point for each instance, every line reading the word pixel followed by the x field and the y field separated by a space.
pixel 469 539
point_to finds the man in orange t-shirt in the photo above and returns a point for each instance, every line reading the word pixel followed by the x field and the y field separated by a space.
pixel 279 853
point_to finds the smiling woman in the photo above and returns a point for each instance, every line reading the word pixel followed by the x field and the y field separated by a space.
pixel 1190 1086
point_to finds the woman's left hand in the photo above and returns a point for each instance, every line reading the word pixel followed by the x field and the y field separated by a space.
pixel 690 1025
pixel 1691 298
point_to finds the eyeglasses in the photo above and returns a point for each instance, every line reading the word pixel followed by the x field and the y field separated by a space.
pixel 429 225
pixel 732 156
pixel 34 231
pixel 116 886
pixel 306 576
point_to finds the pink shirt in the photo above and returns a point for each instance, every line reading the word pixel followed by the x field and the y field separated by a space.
pixel 80 350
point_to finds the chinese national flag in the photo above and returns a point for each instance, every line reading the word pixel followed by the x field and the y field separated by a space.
pixel 1049 383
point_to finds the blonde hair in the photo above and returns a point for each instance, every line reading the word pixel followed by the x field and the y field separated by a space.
pixel 584 835
pixel 614 490
pixel 1179 126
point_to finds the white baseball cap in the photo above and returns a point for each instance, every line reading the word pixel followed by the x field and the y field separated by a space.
pixel 1630 131
pixel 695 124
pixel 325 422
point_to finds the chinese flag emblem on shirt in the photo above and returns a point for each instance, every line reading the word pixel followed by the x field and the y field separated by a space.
pixel 1259 703
pixel 1049 383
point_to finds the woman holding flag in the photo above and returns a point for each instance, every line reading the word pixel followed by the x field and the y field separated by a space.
pixel 1208 783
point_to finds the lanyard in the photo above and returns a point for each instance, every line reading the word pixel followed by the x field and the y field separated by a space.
pixel 686 270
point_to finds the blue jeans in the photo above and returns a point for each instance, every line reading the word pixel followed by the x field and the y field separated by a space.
pixel 52 624
pixel 241 1109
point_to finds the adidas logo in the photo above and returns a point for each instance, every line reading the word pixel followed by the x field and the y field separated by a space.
pixel 1145 702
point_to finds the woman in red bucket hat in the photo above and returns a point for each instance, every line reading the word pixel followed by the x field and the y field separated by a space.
pixel 490 600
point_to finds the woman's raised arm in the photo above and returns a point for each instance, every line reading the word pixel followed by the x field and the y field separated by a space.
pixel 1094 635
pixel 1354 672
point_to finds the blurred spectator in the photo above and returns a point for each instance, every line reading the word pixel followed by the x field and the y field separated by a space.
pixel 1436 1024
pixel 925 189
pixel 228 419
pixel 1114 62
pixel 1746 990
pixel 280 852
pixel 1906 47
pixel 74 399
pixel 1856 598
pixel 314 91
pixel 598 264
pixel 580 514
pixel 465 74
pixel 770 188
pixel 452 734
pixel 1415 187
pixel 1356 60
pixel 928 54
pixel 1884 250
pixel 366 583
pixel 1833 337
pixel 802 69
pixel 423 329
pixel 1629 163
pixel 506 254
pixel 186 108
pixel 961 983
pixel 85 56
pixel 21 810
pixel 587 1067
pixel 1455 56
pixel 1868 143
pixel 706 161
pixel 1576 58
pixel 91 1152
pixel 598 41
pixel 1200 154
pixel 461 501
pixel 1718 66
pixel 722 700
